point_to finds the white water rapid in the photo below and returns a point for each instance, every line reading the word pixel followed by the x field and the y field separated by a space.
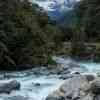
pixel 30 87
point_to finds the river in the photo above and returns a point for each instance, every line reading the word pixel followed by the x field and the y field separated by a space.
pixel 37 87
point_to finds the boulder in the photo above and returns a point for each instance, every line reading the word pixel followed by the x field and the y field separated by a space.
pixel 97 97
pixel 10 86
pixel 56 95
pixel 95 86
pixel 55 98
pixel 74 85
pixel 88 97
pixel 73 67
pixel 90 77
pixel 36 84
pixel 75 88
pixel 17 98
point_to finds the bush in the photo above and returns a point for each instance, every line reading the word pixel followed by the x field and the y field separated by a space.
pixel 51 61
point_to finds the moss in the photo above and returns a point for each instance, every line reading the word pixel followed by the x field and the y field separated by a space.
pixel 51 61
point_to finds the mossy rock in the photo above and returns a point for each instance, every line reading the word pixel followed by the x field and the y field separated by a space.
pixel 51 61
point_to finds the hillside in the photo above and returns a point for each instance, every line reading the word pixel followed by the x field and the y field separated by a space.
pixel 26 35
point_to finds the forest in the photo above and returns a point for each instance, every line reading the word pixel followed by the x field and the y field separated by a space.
pixel 28 36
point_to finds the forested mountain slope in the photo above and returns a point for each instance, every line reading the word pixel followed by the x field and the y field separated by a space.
pixel 88 13
pixel 26 35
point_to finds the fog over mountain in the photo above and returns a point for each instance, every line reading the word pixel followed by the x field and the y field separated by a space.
pixel 59 10
pixel 54 5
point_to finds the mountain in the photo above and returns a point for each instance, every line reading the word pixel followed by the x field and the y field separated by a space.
pixel 56 5
pixel 59 10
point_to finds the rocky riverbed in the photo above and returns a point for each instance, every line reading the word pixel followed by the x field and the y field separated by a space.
pixel 81 87
pixel 69 80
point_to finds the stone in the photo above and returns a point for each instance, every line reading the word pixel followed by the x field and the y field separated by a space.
pixel 87 97
pixel 80 87
pixel 70 89
pixel 77 73
pixel 95 86
pixel 74 84
pixel 10 86
pixel 55 98
pixel 90 77
pixel 56 95
pixel 97 97
pixel 17 98
pixel 37 84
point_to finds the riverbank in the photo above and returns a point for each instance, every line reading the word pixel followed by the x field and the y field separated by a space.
pixel 81 87
pixel 39 82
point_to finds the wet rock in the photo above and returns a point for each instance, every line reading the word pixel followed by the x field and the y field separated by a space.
pixel 73 85
pixel 78 73
pixel 73 65
pixel 66 76
pixel 55 98
pixel 10 86
pixel 68 70
pixel 97 97
pixel 75 88
pixel 95 86
pixel 17 98
pixel 90 77
pixel 88 97
pixel 63 72
pixel 56 95
pixel 37 84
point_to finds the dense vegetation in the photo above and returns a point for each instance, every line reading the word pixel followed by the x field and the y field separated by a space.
pixel 26 34
pixel 87 27
pixel 88 13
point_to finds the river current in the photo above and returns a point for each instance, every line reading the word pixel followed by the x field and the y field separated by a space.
pixel 37 87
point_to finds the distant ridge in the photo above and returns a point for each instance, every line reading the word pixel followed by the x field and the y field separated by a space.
pixel 60 11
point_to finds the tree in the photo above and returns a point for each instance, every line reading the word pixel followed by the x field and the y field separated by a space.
pixel 24 30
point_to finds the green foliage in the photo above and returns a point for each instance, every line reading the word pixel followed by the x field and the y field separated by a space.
pixel 88 14
pixel 25 33
pixel 87 28
pixel 51 61
pixel 78 49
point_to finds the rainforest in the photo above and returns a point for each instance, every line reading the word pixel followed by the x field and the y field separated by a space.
pixel 49 49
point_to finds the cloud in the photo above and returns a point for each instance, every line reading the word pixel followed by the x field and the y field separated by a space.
pixel 53 5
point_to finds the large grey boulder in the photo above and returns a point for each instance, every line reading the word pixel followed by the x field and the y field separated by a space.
pixel 75 88
pixel 10 86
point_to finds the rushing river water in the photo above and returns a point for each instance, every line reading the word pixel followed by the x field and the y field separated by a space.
pixel 30 87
